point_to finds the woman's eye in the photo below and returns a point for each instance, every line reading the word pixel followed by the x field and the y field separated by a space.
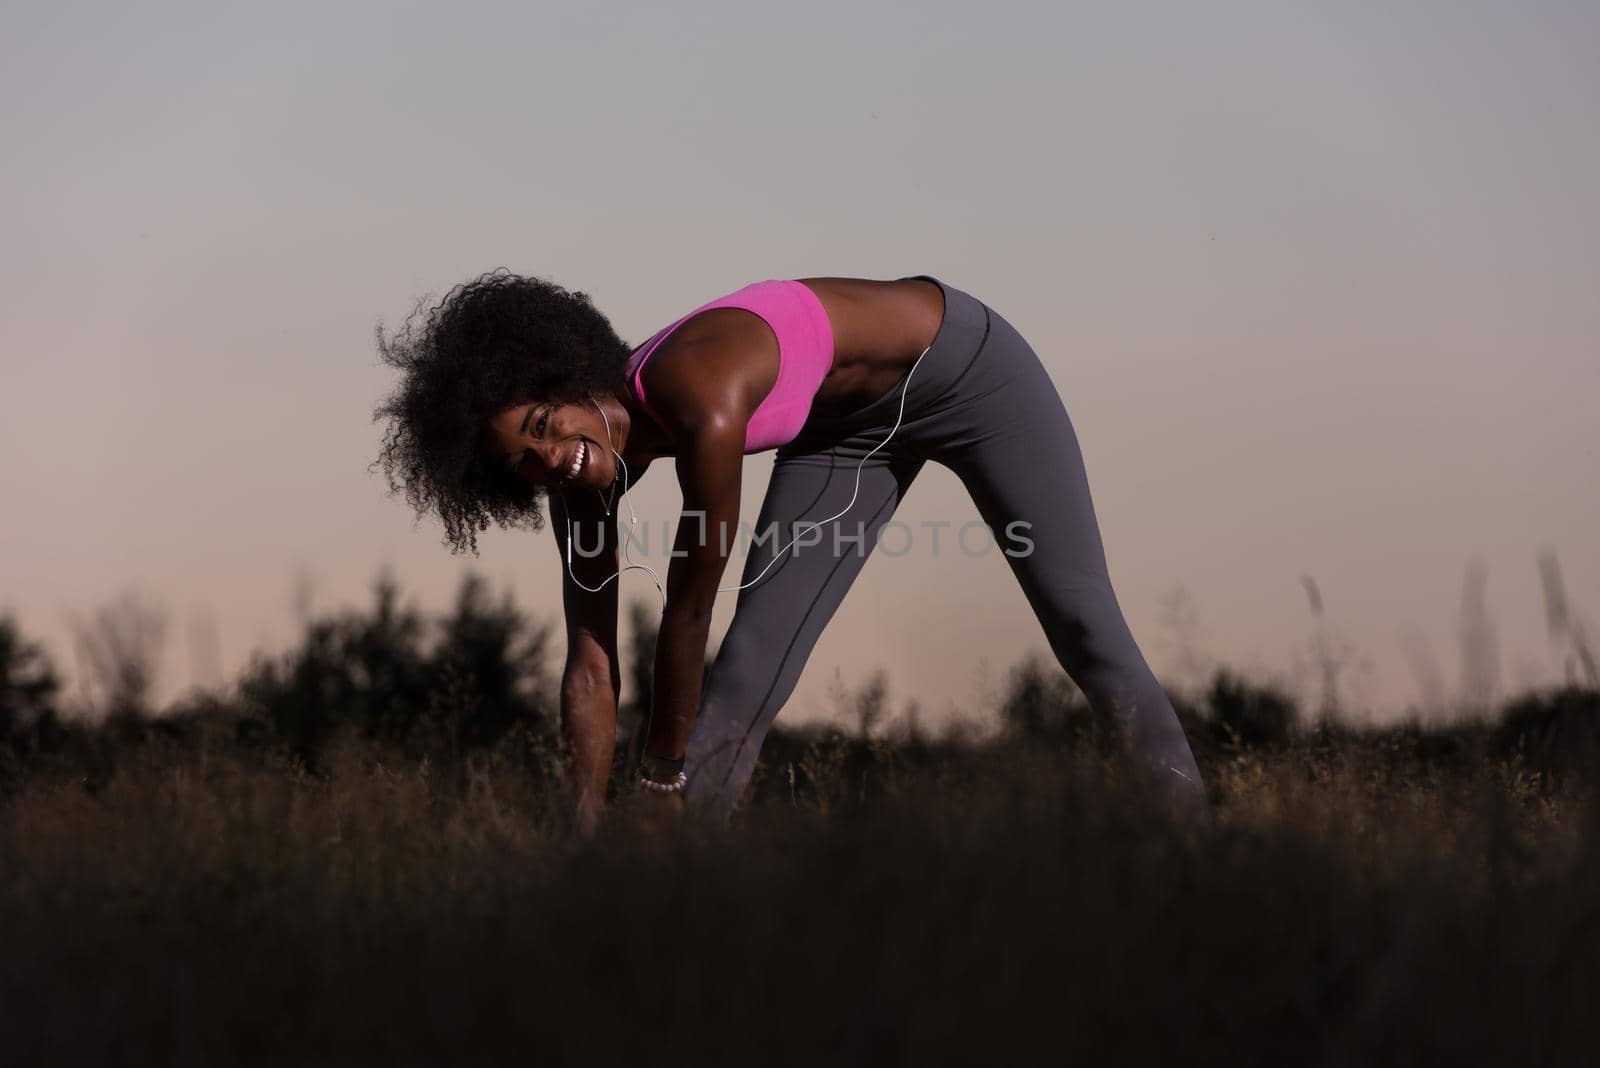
pixel 543 419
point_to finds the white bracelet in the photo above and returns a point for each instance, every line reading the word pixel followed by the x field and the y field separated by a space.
pixel 674 785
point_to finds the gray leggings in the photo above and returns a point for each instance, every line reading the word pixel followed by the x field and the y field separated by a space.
pixel 982 404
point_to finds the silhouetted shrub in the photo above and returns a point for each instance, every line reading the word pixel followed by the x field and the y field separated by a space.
pixel 28 685
pixel 494 660
pixel 1556 730
pixel 1042 702
pixel 376 671
pixel 1247 714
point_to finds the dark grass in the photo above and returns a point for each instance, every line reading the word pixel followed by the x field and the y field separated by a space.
pixel 1393 897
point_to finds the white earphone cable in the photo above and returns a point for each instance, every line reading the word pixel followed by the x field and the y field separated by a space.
pixel 634 519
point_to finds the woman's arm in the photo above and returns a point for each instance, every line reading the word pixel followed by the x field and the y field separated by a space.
pixel 704 392
pixel 710 461
pixel 591 679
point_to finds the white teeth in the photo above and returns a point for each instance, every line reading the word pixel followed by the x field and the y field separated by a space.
pixel 577 461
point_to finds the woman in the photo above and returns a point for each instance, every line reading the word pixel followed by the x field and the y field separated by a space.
pixel 515 389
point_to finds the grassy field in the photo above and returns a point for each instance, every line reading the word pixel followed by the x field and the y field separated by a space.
pixel 186 891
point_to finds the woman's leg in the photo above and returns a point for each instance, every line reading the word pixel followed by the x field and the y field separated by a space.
pixel 1011 443
pixel 777 620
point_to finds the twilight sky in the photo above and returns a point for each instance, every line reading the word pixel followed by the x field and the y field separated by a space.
pixel 1316 283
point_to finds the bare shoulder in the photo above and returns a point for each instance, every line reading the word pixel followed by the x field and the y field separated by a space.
pixel 711 368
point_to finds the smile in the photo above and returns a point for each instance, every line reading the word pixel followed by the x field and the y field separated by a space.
pixel 578 460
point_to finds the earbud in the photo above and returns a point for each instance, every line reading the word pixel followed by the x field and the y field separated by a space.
pixel 634 519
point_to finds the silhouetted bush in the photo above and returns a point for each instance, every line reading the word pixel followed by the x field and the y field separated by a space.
pixel 483 676
pixel 495 662
pixel 1557 731
pixel 1449 747
pixel 28 686
pixel 28 682
pixel 1041 702
pixel 1249 715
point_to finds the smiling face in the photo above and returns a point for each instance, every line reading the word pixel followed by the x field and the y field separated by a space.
pixel 547 444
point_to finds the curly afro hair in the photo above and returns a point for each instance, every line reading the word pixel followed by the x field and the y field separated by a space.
pixel 497 341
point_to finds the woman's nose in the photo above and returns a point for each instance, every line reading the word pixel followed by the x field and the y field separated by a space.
pixel 553 462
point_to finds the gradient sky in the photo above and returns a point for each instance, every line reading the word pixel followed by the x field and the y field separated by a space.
pixel 1316 283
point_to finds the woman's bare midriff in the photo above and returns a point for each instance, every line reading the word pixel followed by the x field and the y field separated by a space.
pixel 879 330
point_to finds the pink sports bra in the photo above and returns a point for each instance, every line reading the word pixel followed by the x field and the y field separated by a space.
pixel 805 355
